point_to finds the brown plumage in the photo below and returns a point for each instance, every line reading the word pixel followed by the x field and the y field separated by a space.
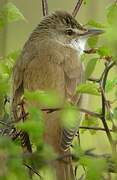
pixel 49 62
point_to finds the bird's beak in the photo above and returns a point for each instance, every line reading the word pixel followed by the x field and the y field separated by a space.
pixel 95 31
pixel 92 32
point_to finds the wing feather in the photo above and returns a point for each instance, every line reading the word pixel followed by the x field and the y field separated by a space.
pixel 73 77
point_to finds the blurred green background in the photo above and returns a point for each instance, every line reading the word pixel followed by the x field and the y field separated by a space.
pixel 15 34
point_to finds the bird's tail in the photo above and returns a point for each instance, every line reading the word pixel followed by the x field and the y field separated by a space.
pixel 63 169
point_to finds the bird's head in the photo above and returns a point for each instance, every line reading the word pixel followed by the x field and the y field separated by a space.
pixel 61 26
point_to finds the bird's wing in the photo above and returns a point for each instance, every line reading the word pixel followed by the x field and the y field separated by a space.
pixel 27 55
pixel 38 68
pixel 73 77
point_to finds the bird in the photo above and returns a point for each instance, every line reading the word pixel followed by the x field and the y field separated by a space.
pixel 51 60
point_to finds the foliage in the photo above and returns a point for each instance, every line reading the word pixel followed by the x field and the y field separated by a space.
pixel 90 67
pixel 50 99
pixel 88 88
pixel 70 117
pixel 9 13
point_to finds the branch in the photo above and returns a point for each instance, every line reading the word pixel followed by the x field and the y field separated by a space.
pixel 45 7
pixel 111 164
pixel 105 74
pixel 102 87
pixel 77 7
pixel 95 114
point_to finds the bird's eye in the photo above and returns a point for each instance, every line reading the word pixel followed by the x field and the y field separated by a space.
pixel 69 32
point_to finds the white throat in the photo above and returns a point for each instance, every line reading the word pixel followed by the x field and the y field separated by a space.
pixel 79 45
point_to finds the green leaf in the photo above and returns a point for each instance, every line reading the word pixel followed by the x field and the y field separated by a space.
pixel 104 51
pixel 95 167
pixel 14 55
pixel 34 125
pixel 10 13
pixel 88 88
pixel 92 41
pixel 70 117
pixel 47 153
pixel 50 99
pixel 90 121
pixel 8 146
pixel 6 64
pixel 4 86
pixel 11 160
pixel 90 67
pixel 1 22
pixel 112 13
pixel 10 60
pixel 115 113
pixel 4 69
pixel 78 152
pixel 110 84
pixel 93 23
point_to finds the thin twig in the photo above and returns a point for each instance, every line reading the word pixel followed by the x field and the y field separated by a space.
pixel 35 172
pixel 4 123
pixel 45 7
pixel 20 118
pixel 91 51
pixel 94 128
pixel 51 110
pixel 106 71
pixel 77 7
pixel 94 80
pixel 95 114
pixel 108 107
